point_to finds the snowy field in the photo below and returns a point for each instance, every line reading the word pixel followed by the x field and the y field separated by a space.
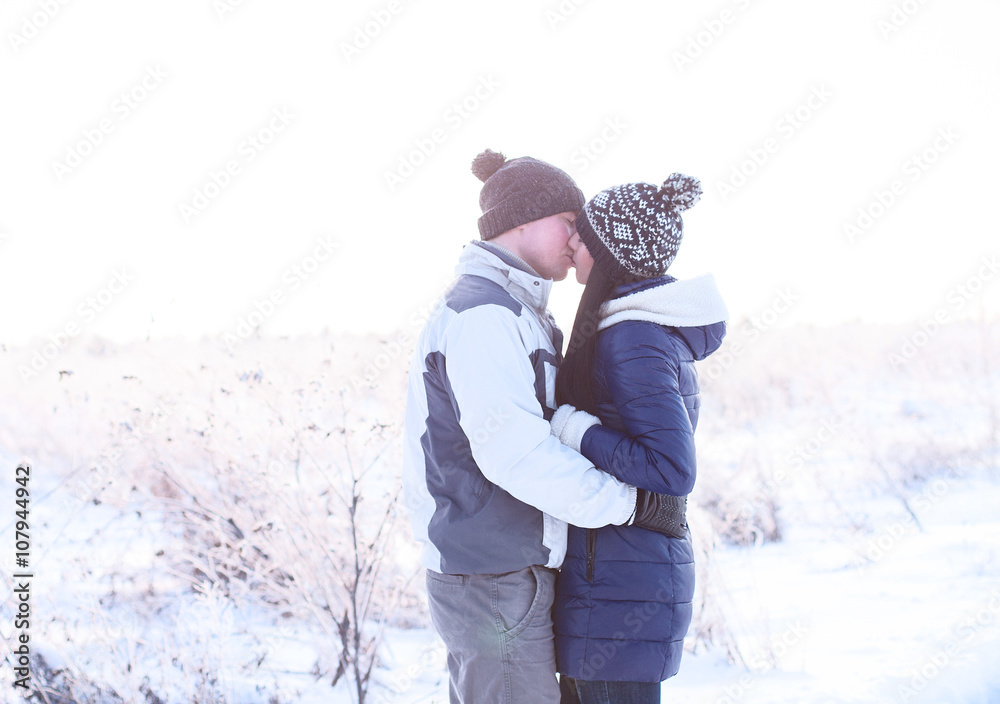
pixel 192 536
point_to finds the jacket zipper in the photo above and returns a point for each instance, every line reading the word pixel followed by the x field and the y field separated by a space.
pixel 591 553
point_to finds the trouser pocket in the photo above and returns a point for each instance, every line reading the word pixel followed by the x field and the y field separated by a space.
pixel 523 597
pixel 498 630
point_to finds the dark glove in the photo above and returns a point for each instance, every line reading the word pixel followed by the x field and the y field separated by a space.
pixel 660 512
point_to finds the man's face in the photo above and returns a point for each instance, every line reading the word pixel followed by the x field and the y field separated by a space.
pixel 544 245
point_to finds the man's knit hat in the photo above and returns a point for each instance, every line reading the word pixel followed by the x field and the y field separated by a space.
pixel 520 191
pixel 633 231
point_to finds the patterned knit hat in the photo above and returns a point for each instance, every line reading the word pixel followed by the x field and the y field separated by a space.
pixel 520 191
pixel 632 231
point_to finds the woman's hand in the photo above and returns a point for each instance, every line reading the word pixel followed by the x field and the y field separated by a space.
pixel 569 425
pixel 660 512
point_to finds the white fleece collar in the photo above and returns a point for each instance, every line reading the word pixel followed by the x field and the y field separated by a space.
pixel 681 304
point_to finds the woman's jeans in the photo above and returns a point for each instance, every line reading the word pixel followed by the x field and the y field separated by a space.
pixel 584 692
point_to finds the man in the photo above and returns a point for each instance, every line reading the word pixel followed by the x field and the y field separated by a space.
pixel 488 488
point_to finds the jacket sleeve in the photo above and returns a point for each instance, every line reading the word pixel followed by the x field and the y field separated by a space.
pixel 493 383
pixel 656 452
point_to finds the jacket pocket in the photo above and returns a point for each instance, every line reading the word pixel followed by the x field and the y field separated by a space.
pixel 591 553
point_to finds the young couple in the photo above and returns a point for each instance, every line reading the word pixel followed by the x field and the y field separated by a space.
pixel 513 471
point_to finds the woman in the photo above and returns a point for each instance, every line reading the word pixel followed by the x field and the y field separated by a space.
pixel 630 399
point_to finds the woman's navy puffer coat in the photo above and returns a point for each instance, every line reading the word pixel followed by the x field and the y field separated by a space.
pixel 623 600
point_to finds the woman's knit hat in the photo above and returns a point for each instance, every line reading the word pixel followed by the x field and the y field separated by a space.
pixel 633 231
pixel 520 191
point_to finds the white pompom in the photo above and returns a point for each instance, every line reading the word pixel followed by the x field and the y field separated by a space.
pixel 681 191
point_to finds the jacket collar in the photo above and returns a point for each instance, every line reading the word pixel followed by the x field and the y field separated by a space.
pixel 694 308
pixel 487 262
pixel 508 257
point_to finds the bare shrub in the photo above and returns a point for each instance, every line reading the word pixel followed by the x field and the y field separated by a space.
pixel 711 621
pixel 744 507
pixel 300 520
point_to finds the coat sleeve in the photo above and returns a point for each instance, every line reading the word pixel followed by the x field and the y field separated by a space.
pixel 493 382
pixel 656 451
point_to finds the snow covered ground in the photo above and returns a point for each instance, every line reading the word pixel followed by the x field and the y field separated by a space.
pixel 899 615
pixel 884 586
pixel 919 623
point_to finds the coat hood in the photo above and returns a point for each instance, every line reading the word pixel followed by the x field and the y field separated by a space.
pixel 693 307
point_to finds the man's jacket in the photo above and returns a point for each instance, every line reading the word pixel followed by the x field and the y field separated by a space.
pixel 488 488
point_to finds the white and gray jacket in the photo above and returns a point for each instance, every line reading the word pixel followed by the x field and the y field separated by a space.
pixel 489 489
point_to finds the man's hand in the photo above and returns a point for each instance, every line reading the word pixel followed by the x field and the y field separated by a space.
pixel 660 512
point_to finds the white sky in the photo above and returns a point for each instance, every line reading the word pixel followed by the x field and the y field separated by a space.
pixel 546 89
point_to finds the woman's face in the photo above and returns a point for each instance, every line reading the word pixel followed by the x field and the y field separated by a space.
pixel 582 261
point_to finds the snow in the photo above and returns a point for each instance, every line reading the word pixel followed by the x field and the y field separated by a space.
pixel 845 632
pixel 884 587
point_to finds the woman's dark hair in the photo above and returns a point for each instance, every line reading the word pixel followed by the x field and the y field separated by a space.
pixel 573 382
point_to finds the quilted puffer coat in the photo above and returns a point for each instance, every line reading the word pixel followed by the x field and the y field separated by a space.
pixel 623 602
